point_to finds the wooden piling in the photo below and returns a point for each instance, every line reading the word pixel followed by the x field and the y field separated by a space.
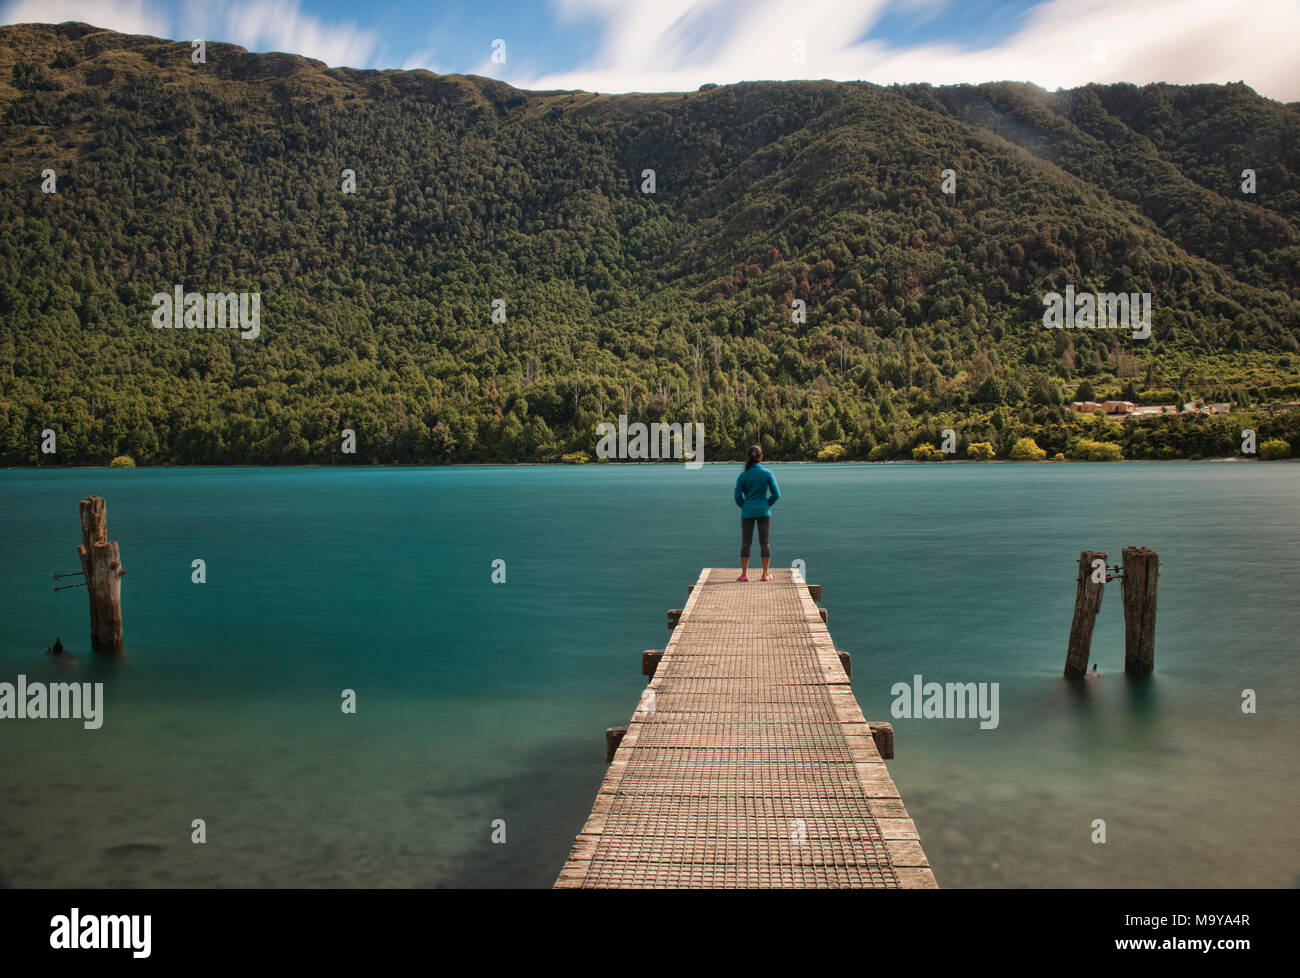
pixel 613 737
pixel 846 661
pixel 883 735
pixel 650 661
pixel 673 615
pixel 102 566
pixel 1141 574
pixel 1087 602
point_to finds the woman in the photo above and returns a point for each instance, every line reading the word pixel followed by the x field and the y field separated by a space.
pixel 756 491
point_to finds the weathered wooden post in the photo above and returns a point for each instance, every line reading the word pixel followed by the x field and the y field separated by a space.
pixel 102 566
pixel 883 735
pixel 613 737
pixel 1087 602
pixel 1141 573
pixel 650 661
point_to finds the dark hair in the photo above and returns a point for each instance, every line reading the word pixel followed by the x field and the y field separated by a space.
pixel 755 455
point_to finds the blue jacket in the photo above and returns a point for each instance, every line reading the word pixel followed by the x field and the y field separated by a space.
pixel 756 491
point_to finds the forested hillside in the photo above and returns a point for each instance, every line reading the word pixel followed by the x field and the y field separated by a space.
pixel 924 309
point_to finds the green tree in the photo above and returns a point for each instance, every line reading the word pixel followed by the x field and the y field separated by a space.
pixel 831 453
pixel 1045 391
pixel 1027 450
pixel 992 391
pixel 925 452
pixel 1088 450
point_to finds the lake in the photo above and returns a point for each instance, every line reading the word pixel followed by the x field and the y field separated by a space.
pixel 480 701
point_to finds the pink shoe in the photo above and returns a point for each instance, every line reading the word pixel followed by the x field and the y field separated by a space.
pixel 766 577
pixel 743 577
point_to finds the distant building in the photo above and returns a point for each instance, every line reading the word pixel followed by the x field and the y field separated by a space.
pixel 1191 407
pixel 1127 409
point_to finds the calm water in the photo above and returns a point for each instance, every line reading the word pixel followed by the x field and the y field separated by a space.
pixel 480 701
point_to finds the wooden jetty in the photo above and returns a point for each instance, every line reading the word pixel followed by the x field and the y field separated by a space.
pixel 748 762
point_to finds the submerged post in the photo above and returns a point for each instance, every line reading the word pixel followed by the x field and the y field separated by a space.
pixel 103 569
pixel 1087 602
pixel 1141 574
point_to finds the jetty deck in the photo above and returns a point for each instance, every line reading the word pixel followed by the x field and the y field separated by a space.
pixel 748 763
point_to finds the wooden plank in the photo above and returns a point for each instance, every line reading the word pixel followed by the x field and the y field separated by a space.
pixel 917 879
pixel 906 852
pixel 898 828
pixel 885 808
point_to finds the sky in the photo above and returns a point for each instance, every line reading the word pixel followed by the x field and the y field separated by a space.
pixel 678 45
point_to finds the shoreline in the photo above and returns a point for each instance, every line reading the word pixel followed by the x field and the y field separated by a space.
pixel 571 465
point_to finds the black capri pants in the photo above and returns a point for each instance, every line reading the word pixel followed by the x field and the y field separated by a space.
pixel 747 534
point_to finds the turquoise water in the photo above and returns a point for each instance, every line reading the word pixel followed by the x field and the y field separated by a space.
pixel 479 701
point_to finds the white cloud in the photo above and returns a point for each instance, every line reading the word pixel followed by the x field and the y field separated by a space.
pixel 280 25
pixel 676 45
pixel 923 9
pixel 126 16
pixel 422 59
pixel 259 25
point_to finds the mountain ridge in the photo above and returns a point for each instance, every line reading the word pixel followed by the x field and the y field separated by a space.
pixel 923 309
